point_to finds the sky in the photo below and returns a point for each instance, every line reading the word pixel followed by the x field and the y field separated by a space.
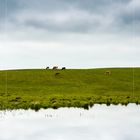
pixel 70 33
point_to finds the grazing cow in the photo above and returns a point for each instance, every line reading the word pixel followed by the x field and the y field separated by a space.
pixel 63 68
pixel 55 67
pixel 56 74
pixel 47 68
pixel 108 72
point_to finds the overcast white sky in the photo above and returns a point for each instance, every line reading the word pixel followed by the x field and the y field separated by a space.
pixel 71 33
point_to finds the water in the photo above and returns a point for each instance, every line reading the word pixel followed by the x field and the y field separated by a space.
pixel 98 123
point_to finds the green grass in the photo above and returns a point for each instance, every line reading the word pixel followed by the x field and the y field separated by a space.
pixel 71 88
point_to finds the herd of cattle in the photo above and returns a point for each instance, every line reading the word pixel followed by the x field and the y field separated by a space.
pixel 64 68
pixel 56 67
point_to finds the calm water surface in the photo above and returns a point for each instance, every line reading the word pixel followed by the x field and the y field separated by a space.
pixel 98 123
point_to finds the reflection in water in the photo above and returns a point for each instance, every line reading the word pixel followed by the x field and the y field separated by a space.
pixel 98 123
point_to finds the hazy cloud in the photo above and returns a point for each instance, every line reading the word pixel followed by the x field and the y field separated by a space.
pixel 96 32
pixel 73 16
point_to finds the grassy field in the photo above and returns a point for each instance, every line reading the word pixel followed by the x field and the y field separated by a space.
pixel 70 88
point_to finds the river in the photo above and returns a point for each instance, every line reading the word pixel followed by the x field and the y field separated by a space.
pixel 100 122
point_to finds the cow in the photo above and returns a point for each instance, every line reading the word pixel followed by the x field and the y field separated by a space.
pixel 63 68
pixel 47 68
pixel 56 74
pixel 55 67
pixel 108 72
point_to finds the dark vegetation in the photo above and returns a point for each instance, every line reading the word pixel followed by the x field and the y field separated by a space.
pixel 37 89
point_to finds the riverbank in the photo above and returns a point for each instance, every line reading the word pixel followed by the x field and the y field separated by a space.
pixel 38 88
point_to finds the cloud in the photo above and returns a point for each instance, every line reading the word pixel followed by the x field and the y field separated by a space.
pixel 96 33
pixel 74 16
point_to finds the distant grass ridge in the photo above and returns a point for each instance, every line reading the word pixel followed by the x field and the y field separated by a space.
pixel 38 88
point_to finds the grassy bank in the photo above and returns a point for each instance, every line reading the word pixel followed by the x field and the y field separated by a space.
pixel 69 88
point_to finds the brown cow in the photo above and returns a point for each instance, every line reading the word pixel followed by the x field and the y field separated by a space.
pixel 55 67
pixel 108 72
pixel 56 74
